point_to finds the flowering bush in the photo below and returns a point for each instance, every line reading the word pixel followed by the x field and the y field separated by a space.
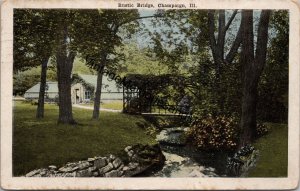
pixel 215 133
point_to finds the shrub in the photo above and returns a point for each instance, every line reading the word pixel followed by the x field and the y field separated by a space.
pixel 164 123
pixel 34 102
pixel 152 130
pixel 261 130
pixel 137 105
pixel 214 133
pixel 133 106
pixel 242 161
pixel 31 101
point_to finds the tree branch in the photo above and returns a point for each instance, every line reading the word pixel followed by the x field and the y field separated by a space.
pixel 262 40
pixel 221 34
pixel 230 20
pixel 211 29
pixel 235 46
pixel 134 19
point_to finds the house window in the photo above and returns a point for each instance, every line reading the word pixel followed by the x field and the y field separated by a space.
pixel 87 95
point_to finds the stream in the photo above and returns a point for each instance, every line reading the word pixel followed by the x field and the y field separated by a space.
pixel 186 161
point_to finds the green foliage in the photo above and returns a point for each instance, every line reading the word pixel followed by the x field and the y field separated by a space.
pixel 165 122
pixel 34 37
pixel 160 91
pixel 152 130
pixel 176 28
pixel 261 130
pixel 32 102
pixel 103 32
pixel 24 80
pixel 273 87
pixel 139 61
pixel 182 43
pixel 204 91
pixel 214 133
pixel 133 107
pixel 154 124
pixel 80 67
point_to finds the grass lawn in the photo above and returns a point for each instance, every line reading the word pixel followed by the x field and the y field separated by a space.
pixel 39 143
pixel 117 104
pixel 273 149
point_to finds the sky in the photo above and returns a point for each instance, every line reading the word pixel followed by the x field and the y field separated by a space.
pixel 144 41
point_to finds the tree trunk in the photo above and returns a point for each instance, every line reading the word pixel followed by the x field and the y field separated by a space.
pixel 40 107
pixel 97 99
pixel 252 68
pixel 64 69
pixel 248 117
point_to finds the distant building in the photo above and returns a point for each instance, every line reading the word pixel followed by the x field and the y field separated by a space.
pixel 51 92
pixel 82 90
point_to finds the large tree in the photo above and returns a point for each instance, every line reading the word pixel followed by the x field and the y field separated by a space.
pixel 218 45
pixel 44 45
pixel 65 55
pixel 253 61
pixel 99 41
pixel 33 45
pixel 105 30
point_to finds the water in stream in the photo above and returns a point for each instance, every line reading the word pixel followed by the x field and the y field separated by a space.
pixel 185 161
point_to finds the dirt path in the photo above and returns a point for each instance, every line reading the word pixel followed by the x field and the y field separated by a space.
pixel 91 108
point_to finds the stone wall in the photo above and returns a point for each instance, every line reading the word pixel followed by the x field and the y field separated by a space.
pixel 140 158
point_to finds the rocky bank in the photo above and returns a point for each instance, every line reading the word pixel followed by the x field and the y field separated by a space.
pixel 139 159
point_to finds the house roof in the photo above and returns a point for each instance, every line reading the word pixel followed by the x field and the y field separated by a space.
pixel 52 88
pixel 89 79
pixel 108 85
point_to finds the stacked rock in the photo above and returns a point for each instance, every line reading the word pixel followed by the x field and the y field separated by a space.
pixel 140 158
pixel 110 166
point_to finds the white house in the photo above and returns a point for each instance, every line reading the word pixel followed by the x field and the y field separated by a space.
pixel 82 90
pixel 50 93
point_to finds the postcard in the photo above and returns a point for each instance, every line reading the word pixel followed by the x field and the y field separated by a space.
pixel 150 95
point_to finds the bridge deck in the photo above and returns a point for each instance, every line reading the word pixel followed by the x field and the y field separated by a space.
pixel 166 114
